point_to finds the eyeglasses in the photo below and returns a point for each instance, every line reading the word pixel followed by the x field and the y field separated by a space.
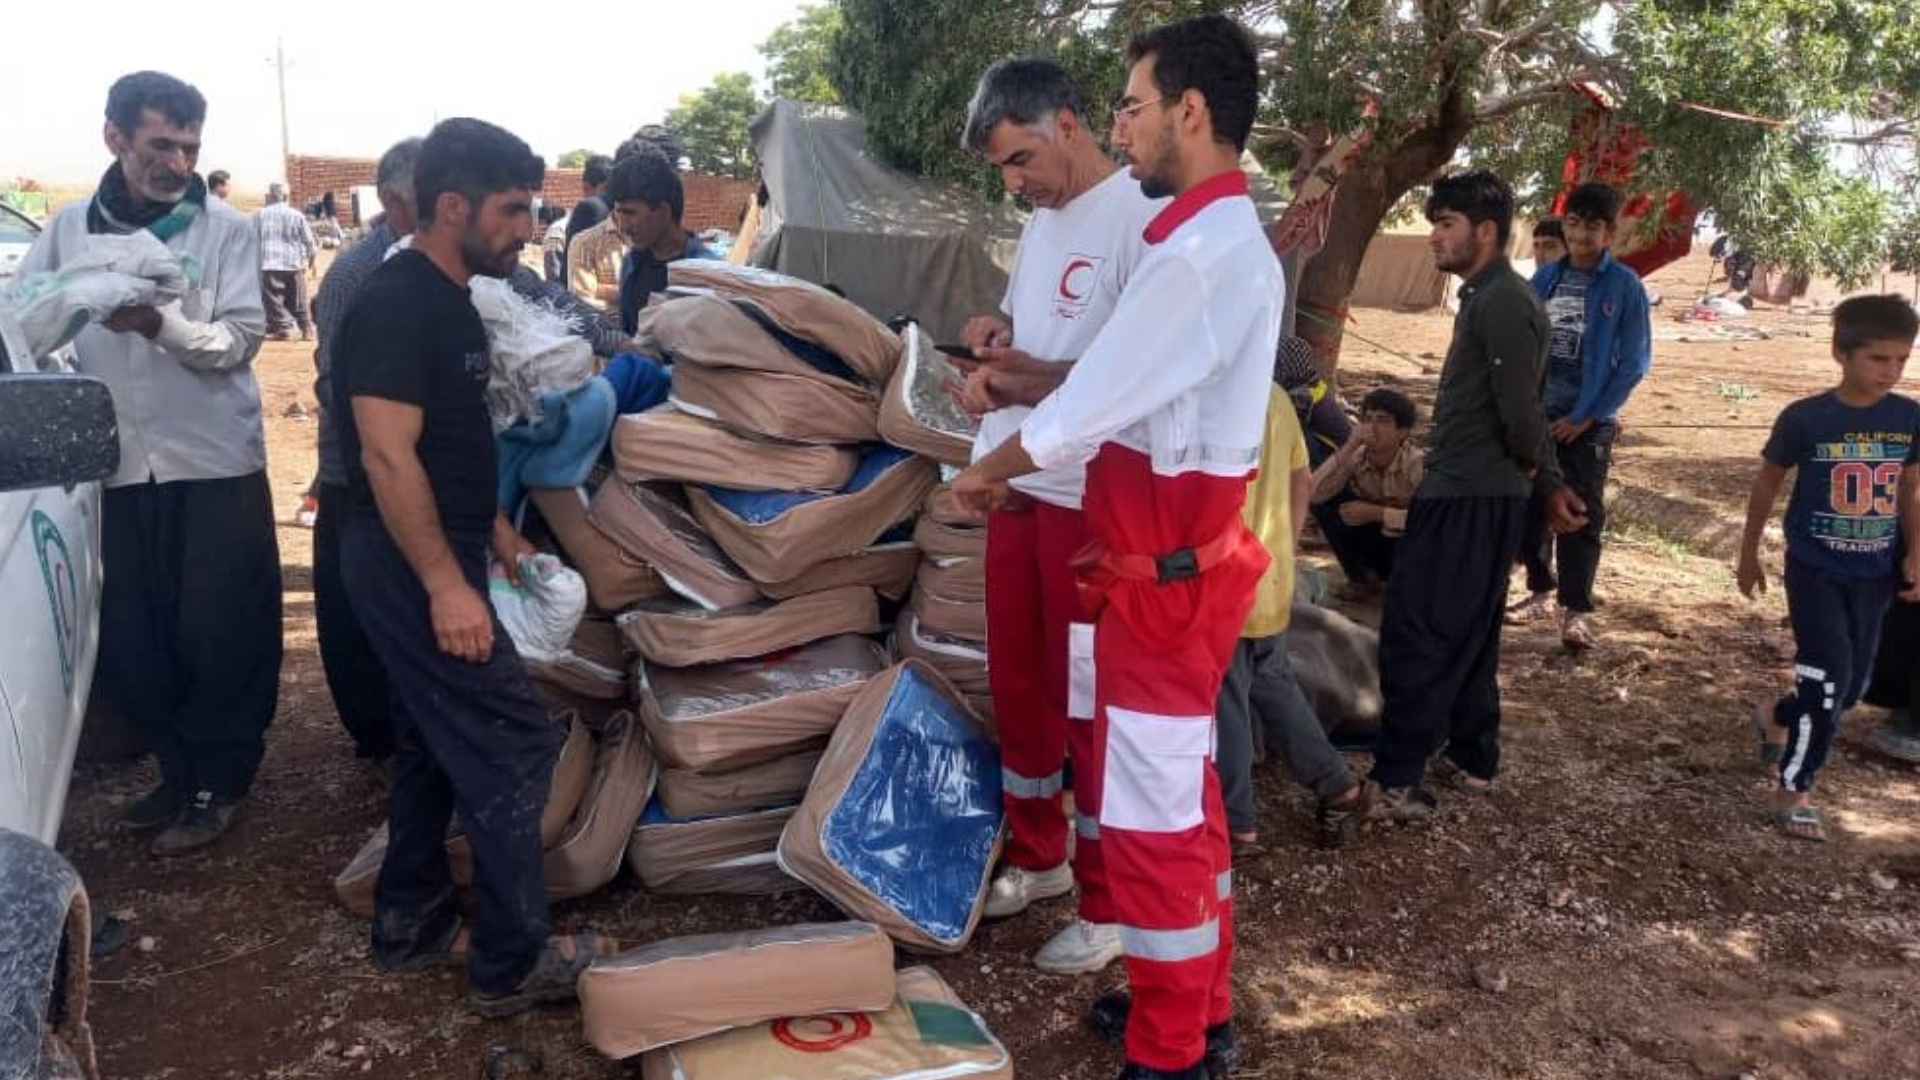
pixel 1125 109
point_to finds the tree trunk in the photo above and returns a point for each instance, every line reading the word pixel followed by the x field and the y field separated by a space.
pixel 1361 202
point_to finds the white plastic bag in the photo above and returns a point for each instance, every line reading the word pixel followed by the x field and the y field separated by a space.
pixel 113 272
pixel 535 351
pixel 543 611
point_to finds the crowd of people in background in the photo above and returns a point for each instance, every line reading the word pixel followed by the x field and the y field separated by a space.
pixel 1150 447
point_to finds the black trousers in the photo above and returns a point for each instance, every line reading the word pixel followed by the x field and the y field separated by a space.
pixel 1584 463
pixel 355 677
pixel 190 635
pixel 1365 551
pixel 1440 637
pixel 1836 628
pixel 472 739
pixel 285 295
pixel 1896 667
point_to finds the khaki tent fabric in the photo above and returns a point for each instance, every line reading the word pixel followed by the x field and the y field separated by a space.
pixel 668 444
pixel 918 411
pixel 354 886
pixel 1397 273
pixel 887 568
pixel 872 838
pixel 729 715
pixel 780 782
pixel 798 408
pixel 927 1034
pixel 588 853
pixel 614 578
pixel 683 988
pixel 804 310
pixel 777 544
pixel 733 854
pixel 683 635
pixel 648 522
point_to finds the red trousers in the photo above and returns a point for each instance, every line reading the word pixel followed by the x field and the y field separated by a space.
pixel 1043 700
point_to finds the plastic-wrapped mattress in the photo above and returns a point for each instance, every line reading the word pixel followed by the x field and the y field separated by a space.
pixel 730 853
pixel 887 566
pixel 685 793
pixel 950 618
pixel 960 580
pixel 802 309
pixel 594 665
pixel 587 855
pixel 927 1034
pixel 717 717
pixel 719 331
pixel 687 987
pixel 797 408
pixel 649 523
pixel 902 823
pixel 614 577
pixel 666 443
pixel 776 536
pixel 918 411
pixel 683 635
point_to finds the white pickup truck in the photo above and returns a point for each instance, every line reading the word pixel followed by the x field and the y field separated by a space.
pixel 57 440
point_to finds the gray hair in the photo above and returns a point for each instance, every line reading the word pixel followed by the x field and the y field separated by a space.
pixel 1027 91
pixel 395 171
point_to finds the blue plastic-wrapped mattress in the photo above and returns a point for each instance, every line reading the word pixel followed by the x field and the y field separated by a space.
pixel 902 823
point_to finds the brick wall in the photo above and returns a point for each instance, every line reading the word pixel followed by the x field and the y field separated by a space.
pixel 713 202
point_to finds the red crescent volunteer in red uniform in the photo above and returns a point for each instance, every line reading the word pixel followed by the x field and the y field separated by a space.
pixel 1167 406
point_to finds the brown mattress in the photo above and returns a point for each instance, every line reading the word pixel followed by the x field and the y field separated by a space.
pixel 918 411
pixel 887 568
pixel 938 539
pixel 961 580
pixel 717 717
pixel 688 987
pixel 685 793
pixel 614 578
pixel 804 310
pixel 927 1034
pixel 683 635
pixel 572 772
pixel 649 523
pixel 950 618
pixel 588 853
pixel 729 854
pixel 797 408
pixel 777 540
pixel 668 444
pixel 595 664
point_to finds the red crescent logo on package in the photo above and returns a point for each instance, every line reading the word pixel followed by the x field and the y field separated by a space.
pixel 822 1034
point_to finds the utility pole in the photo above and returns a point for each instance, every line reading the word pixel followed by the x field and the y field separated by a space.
pixel 280 70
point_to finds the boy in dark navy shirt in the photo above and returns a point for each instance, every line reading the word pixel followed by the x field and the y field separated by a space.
pixel 1856 448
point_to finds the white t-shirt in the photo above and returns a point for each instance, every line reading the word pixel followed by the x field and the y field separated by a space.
pixel 1073 263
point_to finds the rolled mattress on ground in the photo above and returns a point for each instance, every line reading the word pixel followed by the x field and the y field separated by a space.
pixel 685 793
pixel 572 771
pixel 717 717
pixel 688 987
pixel 684 635
pixel 649 523
pixel 928 1033
pixel 666 443
pixel 588 853
pixel 729 853
pixel 776 536
pixel 902 823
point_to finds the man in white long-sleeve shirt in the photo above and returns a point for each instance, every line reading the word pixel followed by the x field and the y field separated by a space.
pixel 190 616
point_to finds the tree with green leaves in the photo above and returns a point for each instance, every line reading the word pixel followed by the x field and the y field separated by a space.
pixel 1743 101
pixel 712 124
pixel 796 54
pixel 574 159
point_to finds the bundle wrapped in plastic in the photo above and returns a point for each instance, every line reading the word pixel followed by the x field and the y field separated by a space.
pixel 543 610
pixel 683 635
pixel 648 522
pixel 685 793
pixel 887 566
pixel 615 577
pixel 111 272
pixel 731 853
pixel 802 309
pixel 534 348
pixel 797 408
pixel 918 411
pixel 594 665
pixel 711 330
pixel 668 443
pixel 588 854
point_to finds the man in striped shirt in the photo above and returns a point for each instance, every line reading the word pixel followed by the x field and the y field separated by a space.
pixel 593 264
pixel 287 250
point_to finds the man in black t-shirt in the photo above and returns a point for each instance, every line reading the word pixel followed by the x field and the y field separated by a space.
pixel 471 735
pixel 647 203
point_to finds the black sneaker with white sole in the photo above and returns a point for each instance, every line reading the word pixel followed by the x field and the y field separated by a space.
pixel 156 808
pixel 204 819
pixel 1108 1016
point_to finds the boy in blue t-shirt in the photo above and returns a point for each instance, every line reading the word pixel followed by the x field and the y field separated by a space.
pixel 1856 448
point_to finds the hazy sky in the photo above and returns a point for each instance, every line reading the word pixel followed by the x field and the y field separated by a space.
pixel 560 77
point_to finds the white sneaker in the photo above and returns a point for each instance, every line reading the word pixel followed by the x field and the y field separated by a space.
pixel 1013 889
pixel 1080 949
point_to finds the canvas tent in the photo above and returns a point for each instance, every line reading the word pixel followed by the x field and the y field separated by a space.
pixel 893 242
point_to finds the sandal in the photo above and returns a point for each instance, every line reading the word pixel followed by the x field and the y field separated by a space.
pixel 554 976
pixel 1799 822
pixel 1449 773
pixel 1336 822
pixel 1770 752
pixel 451 952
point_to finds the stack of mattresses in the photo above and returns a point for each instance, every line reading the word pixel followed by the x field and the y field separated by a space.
pixel 945 620
pixel 738 741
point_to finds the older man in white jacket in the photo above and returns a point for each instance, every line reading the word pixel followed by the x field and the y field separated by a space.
pixel 190 614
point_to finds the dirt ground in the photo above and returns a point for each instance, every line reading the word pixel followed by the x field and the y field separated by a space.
pixel 1617 908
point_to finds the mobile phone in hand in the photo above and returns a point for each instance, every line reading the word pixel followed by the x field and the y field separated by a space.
pixel 959 352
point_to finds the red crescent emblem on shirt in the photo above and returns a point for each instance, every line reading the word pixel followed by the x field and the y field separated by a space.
pixel 822 1034
pixel 1072 284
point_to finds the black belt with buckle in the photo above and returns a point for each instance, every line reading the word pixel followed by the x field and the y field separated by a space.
pixel 1180 564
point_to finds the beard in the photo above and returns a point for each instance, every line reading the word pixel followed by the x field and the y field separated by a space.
pixel 485 261
pixel 1452 260
pixel 1158 175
